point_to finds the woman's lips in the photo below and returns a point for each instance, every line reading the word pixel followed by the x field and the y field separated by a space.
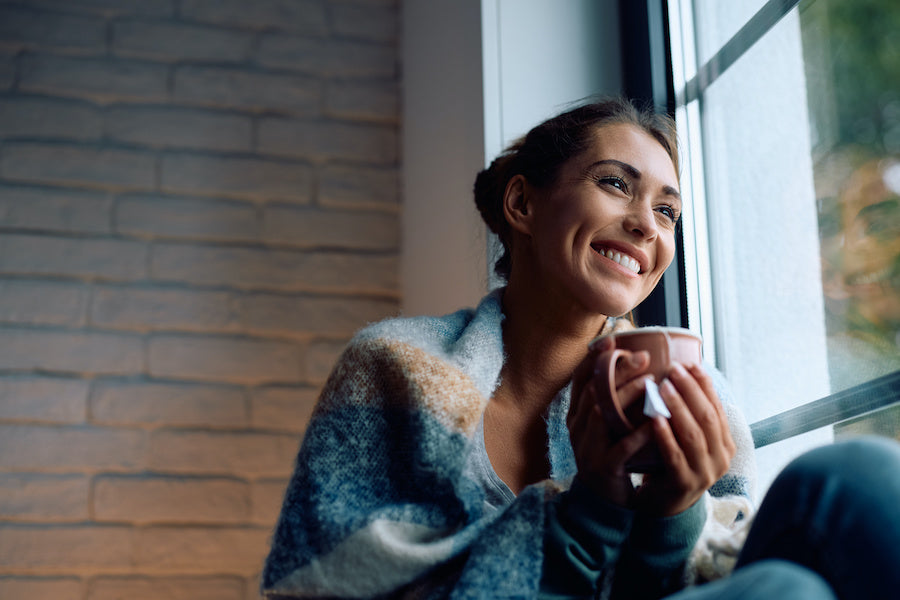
pixel 619 257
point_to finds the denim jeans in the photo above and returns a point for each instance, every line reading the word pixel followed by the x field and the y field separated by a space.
pixel 829 527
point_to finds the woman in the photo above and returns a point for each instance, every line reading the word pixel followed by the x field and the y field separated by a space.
pixel 445 458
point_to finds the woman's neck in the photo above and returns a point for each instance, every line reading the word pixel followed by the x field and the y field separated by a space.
pixel 544 341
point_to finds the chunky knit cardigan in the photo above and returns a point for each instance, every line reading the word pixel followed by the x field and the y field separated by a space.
pixel 379 504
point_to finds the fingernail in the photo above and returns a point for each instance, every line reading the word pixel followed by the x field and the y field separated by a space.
pixel 667 387
pixel 601 344
pixel 679 370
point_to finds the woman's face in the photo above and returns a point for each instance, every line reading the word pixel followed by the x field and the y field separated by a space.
pixel 604 233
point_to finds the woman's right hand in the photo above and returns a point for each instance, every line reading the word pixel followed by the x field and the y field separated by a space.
pixel 601 459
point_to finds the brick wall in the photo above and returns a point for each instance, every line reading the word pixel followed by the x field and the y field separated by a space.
pixel 198 206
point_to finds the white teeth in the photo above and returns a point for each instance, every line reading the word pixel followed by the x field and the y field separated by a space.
pixel 623 259
pixel 869 278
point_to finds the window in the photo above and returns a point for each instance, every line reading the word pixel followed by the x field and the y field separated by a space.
pixel 789 118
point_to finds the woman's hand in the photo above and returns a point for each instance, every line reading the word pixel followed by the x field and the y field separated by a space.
pixel 695 444
pixel 600 459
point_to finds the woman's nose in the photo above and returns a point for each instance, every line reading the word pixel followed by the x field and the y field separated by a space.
pixel 641 221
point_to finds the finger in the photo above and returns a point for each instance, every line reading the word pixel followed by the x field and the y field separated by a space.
pixel 702 405
pixel 690 436
pixel 602 344
pixel 706 383
pixel 579 413
pixel 668 446
pixel 709 388
pixel 628 446
pixel 634 389
pixel 631 365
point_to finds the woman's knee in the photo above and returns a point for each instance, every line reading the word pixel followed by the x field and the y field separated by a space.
pixel 861 462
pixel 763 580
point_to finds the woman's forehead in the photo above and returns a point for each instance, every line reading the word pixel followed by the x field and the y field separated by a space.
pixel 631 145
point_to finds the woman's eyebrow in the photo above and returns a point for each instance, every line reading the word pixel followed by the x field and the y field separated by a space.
pixel 632 172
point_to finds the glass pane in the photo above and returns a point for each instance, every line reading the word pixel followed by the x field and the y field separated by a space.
pixel 852 52
pixel 718 21
pixel 764 234
pixel 801 163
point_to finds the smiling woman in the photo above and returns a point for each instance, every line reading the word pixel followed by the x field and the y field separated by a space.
pixel 468 455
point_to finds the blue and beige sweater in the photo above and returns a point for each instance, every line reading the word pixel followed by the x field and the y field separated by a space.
pixel 381 503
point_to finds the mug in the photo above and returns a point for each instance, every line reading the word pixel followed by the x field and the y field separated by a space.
pixel 666 345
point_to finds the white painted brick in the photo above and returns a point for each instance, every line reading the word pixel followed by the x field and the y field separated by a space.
pixel 312 227
pixel 43 399
pixel 102 80
pixel 110 168
pixel 154 8
pixel 283 408
pixel 73 257
pixel 162 216
pixel 38 447
pixel 34 497
pixel 358 187
pixel 238 550
pixel 54 209
pixel 166 588
pixel 70 351
pixel 267 497
pixel 173 41
pixel 43 29
pixel 49 118
pixel 43 303
pixel 326 140
pixel 363 100
pixel 223 453
pixel 375 22
pixel 242 178
pixel 297 16
pixel 143 309
pixel 328 57
pixel 247 90
pixel 170 127
pixel 41 588
pixel 145 499
pixel 274 314
pixel 249 268
pixel 66 549
pixel 177 405
pixel 224 359
pixel 321 358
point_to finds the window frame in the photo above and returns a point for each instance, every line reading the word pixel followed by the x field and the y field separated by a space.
pixel 674 84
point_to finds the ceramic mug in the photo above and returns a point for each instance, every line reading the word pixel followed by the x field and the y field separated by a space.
pixel 666 345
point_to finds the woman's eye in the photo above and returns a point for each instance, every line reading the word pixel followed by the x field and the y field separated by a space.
pixel 669 212
pixel 616 182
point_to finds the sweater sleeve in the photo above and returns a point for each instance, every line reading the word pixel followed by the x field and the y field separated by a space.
pixel 655 554
pixel 583 537
pixel 588 541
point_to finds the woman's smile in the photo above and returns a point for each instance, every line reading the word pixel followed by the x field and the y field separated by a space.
pixel 619 256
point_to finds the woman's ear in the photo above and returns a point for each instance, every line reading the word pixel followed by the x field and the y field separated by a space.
pixel 516 204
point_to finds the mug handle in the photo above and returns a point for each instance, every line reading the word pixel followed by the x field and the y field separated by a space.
pixel 613 412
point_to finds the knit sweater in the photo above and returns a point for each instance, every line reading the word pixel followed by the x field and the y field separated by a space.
pixel 380 504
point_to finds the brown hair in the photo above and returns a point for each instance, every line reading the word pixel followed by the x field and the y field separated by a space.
pixel 540 154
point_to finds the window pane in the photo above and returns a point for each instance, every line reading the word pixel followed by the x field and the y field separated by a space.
pixel 852 54
pixel 718 21
pixel 764 237
pixel 800 131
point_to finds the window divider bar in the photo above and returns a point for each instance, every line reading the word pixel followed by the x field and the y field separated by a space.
pixel 760 23
pixel 849 403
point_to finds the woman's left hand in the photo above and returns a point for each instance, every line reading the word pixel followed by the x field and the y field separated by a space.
pixel 695 444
